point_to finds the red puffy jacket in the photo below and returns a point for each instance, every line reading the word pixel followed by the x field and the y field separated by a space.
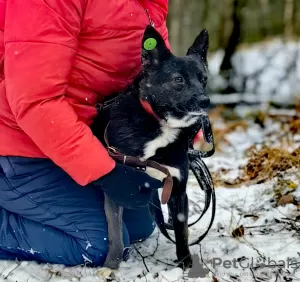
pixel 58 58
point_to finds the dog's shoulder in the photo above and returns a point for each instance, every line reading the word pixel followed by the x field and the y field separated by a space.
pixel 130 126
pixel 165 136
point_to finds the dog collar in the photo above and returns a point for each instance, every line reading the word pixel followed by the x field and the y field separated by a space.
pixel 147 107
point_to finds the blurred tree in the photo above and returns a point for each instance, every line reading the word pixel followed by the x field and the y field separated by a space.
pixel 253 20
pixel 288 18
pixel 235 35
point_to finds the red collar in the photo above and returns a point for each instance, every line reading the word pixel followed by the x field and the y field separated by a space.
pixel 147 107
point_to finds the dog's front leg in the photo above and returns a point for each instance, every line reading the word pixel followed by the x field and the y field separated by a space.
pixel 114 215
pixel 178 207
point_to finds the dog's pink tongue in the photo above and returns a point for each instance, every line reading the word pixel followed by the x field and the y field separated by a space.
pixel 207 135
pixel 198 136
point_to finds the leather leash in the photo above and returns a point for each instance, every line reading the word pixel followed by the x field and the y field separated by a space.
pixel 136 162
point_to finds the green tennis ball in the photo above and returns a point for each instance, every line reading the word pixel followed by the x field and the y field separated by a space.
pixel 150 44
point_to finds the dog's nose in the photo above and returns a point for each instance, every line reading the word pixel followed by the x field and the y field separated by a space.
pixel 204 103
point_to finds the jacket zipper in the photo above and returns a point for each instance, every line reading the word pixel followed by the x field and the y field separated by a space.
pixel 147 13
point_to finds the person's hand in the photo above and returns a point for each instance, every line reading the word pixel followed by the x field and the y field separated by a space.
pixel 128 186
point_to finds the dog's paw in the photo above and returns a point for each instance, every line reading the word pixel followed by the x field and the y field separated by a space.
pixel 105 272
pixel 185 263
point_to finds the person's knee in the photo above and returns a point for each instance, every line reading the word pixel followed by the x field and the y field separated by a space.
pixel 94 257
pixel 95 248
pixel 142 231
pixel 139 223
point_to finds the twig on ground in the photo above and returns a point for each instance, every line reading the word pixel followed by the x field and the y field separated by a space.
pixel 166 263
pixel 292 224
pixel 143 258
pixel 277 276
pixel 243 213
pixel 291 274
pixel 253 275
pixel 164 277
pixel 200 251
pixel 298 266
pixel 156 248
pixel 259 226
pixel 258 252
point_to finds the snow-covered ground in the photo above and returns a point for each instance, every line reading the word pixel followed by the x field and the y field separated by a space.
pixel 271 233
pixel 270 70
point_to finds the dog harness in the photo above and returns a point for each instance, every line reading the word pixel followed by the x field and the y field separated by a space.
pixel 140 164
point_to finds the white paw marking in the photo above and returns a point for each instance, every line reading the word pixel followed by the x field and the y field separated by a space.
pixel 186 121
pixel 181 123
pixel 175 172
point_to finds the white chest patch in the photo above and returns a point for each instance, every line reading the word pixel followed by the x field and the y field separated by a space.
pixel 183 122
pixel 167 136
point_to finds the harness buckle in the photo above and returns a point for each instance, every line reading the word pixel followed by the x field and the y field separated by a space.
pixel 99 107
pixel 112 149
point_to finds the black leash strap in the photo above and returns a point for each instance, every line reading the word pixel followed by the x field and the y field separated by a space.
pixel 208 188
pixel 105 104
pixel 204 179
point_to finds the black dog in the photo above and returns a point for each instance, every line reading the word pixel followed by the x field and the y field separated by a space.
pixel 157 118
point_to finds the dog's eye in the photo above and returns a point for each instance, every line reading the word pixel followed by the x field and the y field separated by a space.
pixel 178 79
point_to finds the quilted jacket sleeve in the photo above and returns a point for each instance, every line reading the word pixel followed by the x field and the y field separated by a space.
pixel 40 44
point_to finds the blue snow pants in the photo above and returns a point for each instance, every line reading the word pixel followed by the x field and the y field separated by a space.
pixel 47 217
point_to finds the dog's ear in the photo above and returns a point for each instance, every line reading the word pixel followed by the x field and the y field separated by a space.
pixel 200 46
pixel 154 49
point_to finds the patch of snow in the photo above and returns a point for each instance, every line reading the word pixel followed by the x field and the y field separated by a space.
pixel 265 239
pixel 271 71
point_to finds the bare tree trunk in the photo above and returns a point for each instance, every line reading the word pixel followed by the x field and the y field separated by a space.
pixel 205 12
pixel 234 37
pixel 261 19
pixel 226 23
pixel 288 18
pixel 175 24
pixel 264 16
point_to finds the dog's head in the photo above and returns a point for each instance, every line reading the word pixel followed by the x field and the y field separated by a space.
pixel 174 88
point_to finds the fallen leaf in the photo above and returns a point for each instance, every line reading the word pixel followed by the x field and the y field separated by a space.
pixel 295 126
pixel 286 199
pixel 291 185
pixel 255 217
pixel 239 232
